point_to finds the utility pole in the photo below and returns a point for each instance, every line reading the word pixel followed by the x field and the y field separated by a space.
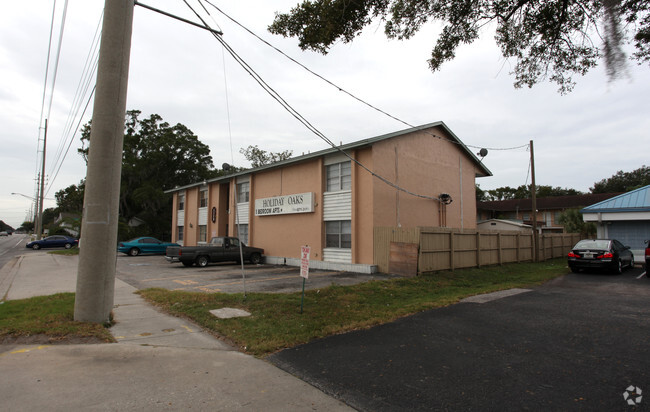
pixel 533 196
pixel 97 256
pixel 39 199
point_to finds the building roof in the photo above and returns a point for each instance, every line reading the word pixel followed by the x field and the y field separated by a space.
pixel 635 201
pixel 507 222
pixel 545 203
pixel 483 170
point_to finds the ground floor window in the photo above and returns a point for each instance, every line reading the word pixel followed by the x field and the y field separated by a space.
pixel 243 233
pixel 203 233
pixel 180 233
pixel 338 234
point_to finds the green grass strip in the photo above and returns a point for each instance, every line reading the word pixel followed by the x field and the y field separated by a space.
pixel 276 322
pixel 51 316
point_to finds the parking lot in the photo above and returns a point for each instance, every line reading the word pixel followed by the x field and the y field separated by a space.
pixel 145 272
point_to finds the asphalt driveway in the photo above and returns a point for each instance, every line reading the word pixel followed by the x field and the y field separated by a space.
pixel 149 271
pixel 576 343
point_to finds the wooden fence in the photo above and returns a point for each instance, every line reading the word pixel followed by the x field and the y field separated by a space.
pixel 449 249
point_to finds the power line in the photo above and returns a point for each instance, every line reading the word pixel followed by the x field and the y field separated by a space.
pixel 341 89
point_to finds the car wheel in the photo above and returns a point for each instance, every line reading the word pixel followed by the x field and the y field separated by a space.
pixel 134 251
pixel 574 270
pixel 256 258
pixel 202 261
pixel 36 246
pixel 68 245
pixel 188 264
pixel 632 262
pixel 619 267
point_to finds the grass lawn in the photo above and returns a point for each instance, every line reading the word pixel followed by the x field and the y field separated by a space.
pixel 47 319
pixel 276 321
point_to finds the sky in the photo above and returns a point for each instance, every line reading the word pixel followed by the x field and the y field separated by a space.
pixel 183 74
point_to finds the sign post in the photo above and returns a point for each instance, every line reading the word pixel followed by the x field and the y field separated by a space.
pixel 304 270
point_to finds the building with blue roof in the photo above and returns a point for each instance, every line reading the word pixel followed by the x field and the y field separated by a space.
pixel 625 217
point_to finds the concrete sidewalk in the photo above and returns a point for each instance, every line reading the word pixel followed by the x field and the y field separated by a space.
pixel 160 362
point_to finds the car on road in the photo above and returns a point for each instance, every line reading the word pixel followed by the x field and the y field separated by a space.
pixel 53 241
pixel 3 233
pixel 144 245
pixel 600 254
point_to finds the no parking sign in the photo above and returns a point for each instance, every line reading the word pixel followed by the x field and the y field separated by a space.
pixel 304 261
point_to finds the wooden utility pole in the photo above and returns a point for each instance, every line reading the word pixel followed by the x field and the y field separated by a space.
pixel 533 196
pixel 97 257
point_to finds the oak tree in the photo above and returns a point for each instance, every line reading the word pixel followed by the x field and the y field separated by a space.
pixel 551 39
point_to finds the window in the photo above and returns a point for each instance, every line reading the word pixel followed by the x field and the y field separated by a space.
pixel 243 192
pixel 203 198
pixel 338 234
pixel 243 233
pixel 180 233
pixel 181 201
pixel 203 233
pixel 339 177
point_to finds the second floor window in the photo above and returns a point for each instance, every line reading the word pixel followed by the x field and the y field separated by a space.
pixel 203 198
pixel 339 177
pixel 243 192
pixel 181 202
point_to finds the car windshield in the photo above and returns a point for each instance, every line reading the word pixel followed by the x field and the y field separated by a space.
pixel 592 244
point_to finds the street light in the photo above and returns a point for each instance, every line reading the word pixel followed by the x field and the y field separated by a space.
pixel 38 217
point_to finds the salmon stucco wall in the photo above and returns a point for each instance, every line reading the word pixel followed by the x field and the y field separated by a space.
pixel 362 208
pixel 283 235
pixel 191 216
pixel 425 165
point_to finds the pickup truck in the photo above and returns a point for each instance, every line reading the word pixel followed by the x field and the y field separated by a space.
pixel 220 249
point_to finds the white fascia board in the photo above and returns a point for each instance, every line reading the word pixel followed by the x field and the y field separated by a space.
pixel 614 217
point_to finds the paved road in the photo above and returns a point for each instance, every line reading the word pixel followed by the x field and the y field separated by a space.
pixel 575 343
pixel 11 246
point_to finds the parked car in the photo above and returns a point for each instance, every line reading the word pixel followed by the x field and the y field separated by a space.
pixel 220 249
pixel 606 254
pixel 3 233
pixel 647 257
pixel 53 241
pixel 140 245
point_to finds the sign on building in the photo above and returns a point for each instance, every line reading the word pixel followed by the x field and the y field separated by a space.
pixel 283 205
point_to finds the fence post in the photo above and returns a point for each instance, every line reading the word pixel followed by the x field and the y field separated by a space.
pixel 478 249
pixel 451 250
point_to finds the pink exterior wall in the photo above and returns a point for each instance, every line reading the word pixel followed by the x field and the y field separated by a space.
pixel 283 235
pixel 191 216
pixel 362 208
pixel 418 162
pixel 429 166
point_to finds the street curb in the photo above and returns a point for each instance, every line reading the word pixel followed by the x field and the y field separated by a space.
pixel 8 274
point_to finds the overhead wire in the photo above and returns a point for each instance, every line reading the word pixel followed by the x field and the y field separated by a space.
pixel 341 89
pixel 86 80
pixel 276 96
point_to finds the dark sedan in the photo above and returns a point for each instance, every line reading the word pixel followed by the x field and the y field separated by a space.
pixel 147 245
pixel 605 254
pixel 53 241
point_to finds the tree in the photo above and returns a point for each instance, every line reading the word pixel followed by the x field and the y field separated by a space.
pixel 623 181
pixel 71 199
pixel 552 39
pixel 572 221
pixel 523 192
pixel 156 157
pixel 259 157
